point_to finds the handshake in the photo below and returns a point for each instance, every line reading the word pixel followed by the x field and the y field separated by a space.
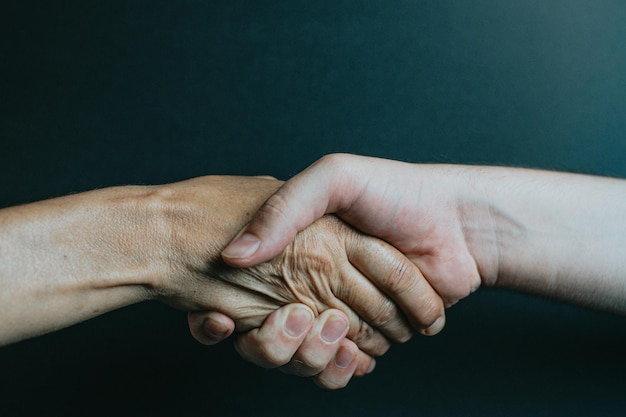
pixel 322 272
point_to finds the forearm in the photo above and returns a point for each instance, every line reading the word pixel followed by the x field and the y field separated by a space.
pixel 68 259
pixel 72 258
pixel 559 235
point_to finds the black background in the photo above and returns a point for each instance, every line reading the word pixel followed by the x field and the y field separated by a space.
pixel 94 94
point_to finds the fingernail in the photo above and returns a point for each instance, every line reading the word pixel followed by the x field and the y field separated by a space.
pixel 436 327
pixel 215 329
pixel 344 357
pixel 298 322
pixel 334 329
pixel 371 367
pixel 242 247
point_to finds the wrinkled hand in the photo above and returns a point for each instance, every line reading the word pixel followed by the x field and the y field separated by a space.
pixel 328 266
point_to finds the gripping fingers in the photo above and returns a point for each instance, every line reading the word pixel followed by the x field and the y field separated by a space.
pixel 341 369
pixel 209 328
pixel 369 339
pixel 372 305
pixel 365 364
pixel 401 280
pixel 345 366
pixel 275 343
pixel 320 346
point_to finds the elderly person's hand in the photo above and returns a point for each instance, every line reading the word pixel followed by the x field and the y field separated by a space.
pixel 292 342
pixel 329 265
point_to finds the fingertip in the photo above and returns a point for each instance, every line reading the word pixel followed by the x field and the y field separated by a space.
pixel 241 249
pixel 210 329
pixel 365 364
pixel 279 338
pixel 248 250
pixel 371 368
pixel 341 369
pixel 436 327
pixel 217 329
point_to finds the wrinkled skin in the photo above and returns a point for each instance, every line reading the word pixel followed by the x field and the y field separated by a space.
pixel 318 269
pixel 71 258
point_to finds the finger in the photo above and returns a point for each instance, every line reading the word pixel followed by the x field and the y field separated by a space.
pixel 209 328
pixel 365 364
pixel 371 305
pixel 341 369
pixel 401 280
pixel 334 376
pixel 369 339
pixel 320 346
pixel 306 197
pixel 278 339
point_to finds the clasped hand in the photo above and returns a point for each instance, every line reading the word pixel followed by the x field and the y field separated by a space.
pixel 330 267
pixel 68 259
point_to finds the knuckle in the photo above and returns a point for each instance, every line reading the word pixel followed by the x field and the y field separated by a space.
pixel 331 383
pixel 363 334
pixel 431 310
pixel 400 278
pixel 379 348
pixel 262 353
pixel 426 311
pixel 386 313
pixel 275 207
pixel 305 366
pixel 404 337
pixel 297 368
pixel 392 324
pixel 272 356
pixel 369 341
pixel 334 161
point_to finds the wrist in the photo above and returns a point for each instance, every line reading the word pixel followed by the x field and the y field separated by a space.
pixel 137 236
pixel 68 259
pixel 560 235
pixel 483 221
pixel 117 240
pixel 193 221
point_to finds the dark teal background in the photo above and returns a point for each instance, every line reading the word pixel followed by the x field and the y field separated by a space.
pixel 94 94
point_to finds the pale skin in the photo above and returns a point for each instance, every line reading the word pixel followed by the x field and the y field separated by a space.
pixel 72 258
pixel 558 235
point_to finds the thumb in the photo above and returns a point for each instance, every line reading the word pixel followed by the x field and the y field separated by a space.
pixel 298 203
pixel 274 226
